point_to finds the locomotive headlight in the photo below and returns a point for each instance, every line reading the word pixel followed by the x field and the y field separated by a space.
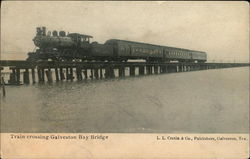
pixel 37 41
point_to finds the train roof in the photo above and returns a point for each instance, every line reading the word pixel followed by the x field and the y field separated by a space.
pixel 81 35
pixel 118 40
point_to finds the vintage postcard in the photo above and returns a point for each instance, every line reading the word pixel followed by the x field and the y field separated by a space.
pixel 124 79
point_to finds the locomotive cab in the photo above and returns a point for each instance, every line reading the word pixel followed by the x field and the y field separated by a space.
pixel 82 41
pixel 80 38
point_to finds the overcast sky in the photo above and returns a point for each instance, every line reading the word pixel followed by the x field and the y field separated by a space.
pixel 219 28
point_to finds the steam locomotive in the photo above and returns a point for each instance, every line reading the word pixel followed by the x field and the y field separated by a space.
pixel 74 46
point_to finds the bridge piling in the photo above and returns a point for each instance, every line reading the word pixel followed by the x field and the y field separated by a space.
pixel 79 73
pixel 141 70
pixel 123 71
pixel 180 68
pixel 12 77
pixel 172 68
pixel 147 70
pixel 39 75
pixel 42 75
pixel 56 74
pixel 155 69
pixel 112 72
pixel 184 68
pixel 165 69
pixel 33 75
pixel 196 68
pixel 91 73
pixel 62 77
pixel 106 74
pixel 175 68
pixel 120 72
pixel 191 68
pixel 71 76
pixel 3 85
pixel 168 69
pixel 96 73
pixel 67 73
pixel 101 73
pixel 85 73
pixel 132 71
pixel 18 76
pixel 150 70
pixel 49 75
pixel 26 79
pixel 1 68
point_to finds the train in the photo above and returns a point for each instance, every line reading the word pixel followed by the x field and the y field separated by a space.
pixel 59 46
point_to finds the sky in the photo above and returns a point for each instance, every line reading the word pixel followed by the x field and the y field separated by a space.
pixel 219 28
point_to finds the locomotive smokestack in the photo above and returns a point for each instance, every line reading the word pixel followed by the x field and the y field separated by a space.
pixel 44 31
pixel 38 31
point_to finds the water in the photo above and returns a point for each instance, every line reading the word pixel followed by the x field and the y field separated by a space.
pixel 211 101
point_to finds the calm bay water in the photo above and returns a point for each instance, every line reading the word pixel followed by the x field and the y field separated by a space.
pixel 211 101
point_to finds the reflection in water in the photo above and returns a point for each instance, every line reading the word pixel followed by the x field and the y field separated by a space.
pixel 212 101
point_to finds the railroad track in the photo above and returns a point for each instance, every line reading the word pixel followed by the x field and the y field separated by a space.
pixel 23 63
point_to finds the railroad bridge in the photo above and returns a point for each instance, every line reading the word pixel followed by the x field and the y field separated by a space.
pixel 42 71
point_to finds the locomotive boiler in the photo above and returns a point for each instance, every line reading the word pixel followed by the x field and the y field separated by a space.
pixel 74 46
